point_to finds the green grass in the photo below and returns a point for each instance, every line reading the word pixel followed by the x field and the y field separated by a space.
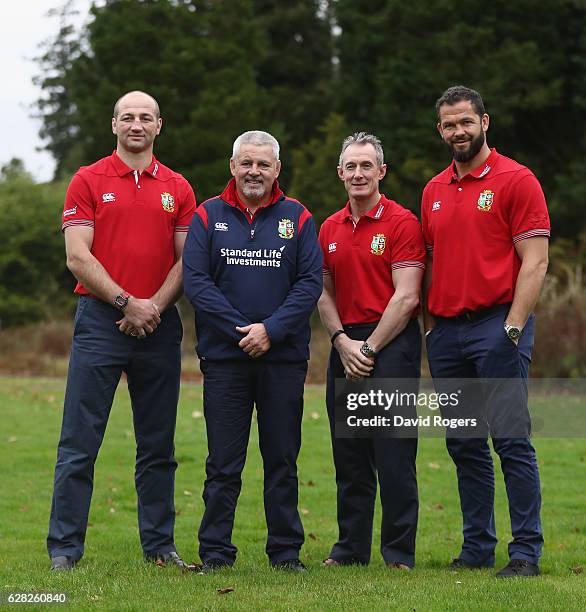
pixel 112 574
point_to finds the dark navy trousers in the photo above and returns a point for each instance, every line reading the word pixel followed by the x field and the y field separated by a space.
pixel 359 461
pixel 231 389
pixel 99 355
pixel 476 346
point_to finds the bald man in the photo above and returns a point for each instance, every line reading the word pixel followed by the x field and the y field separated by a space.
pixel 125 221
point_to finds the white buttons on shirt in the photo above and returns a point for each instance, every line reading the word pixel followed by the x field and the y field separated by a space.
pixel 459 188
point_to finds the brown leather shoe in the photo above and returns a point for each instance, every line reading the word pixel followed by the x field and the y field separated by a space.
pixel 331 562
pixel 397 565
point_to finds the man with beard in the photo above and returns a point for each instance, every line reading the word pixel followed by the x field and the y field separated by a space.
pixel 486 228
pixel 252 270
pixel 125 222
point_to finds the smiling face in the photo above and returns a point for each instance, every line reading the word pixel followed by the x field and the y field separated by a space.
pixel 137 122
pixel 360 172
pixel 255 169
pixel 463 130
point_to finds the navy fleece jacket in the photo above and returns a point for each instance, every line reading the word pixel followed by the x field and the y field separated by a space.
pixel 238 271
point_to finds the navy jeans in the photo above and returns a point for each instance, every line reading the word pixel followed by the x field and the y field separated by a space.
pixel 479 348
pixel 231 389
pixel 360 461
pixel 99 355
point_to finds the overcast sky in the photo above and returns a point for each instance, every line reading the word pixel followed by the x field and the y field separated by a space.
pixel 23 25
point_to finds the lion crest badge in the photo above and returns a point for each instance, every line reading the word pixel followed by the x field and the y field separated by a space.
pixel 378 244
pixel 168 202
pixel 286 229
pixel 486 200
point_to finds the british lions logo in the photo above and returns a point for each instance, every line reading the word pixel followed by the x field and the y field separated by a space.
pixel 286 229
pixel 378 244
pixel 168 202
pixel 486 200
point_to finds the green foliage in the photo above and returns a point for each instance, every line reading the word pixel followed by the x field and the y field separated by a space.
pixel 311 72
pixel 315 181
pixel 33 278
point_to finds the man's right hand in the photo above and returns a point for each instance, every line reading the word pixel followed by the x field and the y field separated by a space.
pixel 141 317
pixel 355 364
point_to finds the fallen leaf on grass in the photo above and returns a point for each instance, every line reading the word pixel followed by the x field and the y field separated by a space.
pixel 12 439
pixel 438 506
pixel 187 493
pixel 225 590
pixel 112 510
pixel 458 582
pixel 312 536
pixel 577 570
pixel 196 414
pixel 314 415
pixel 562 546
pixel 433 466
pixel 191 567
pixel 310 483
pixel 576 530
pixel 24 509
pixel 304 510
pixel 160 563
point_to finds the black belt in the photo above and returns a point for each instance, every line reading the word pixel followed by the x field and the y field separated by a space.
pixel 476 315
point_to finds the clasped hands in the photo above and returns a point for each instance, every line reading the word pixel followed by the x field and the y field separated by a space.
pixel 256 341
pixel 141 317
pixel 356 365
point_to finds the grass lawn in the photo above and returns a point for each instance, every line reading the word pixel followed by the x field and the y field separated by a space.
pixel 112 574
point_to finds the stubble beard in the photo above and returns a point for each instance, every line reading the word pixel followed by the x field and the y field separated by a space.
pixel 254 191
pixel 463 156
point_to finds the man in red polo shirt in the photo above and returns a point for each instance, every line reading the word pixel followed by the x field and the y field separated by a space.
pixel 125 221
pixel 486 229
pixel 373 265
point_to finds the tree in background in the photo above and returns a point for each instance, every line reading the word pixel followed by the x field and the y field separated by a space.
pixel 311 72
pixel 32 262
pixel 526 58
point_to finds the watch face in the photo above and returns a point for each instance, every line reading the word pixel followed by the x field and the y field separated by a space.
pixel 121 301
pixel 514 333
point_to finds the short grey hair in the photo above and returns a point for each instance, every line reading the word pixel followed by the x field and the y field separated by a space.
pixel 257 138
pixel 363 138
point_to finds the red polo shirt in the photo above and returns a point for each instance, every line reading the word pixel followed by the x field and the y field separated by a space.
pixel 472 225
pixel 134 216
pixel 361 257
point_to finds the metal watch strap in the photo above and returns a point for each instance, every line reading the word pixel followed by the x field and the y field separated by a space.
pixel 121 300
pixel 367 350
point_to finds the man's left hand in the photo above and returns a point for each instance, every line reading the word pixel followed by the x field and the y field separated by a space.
pixel 256 342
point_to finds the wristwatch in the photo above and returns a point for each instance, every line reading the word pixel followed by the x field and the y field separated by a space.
pixel 513 332
pixel 367 350
pixel 121 300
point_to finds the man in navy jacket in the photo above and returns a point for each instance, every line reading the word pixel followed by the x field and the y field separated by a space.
pixel 252 271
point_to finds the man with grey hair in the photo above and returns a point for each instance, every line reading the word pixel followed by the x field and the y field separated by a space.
pixel 373 265
pixel 252 269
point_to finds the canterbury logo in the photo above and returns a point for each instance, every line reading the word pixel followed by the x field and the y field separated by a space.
pixel 108 197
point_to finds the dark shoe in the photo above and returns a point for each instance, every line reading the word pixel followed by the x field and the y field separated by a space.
pixel 171 558
pixel 459 564
pixel 290 565
pixel 397 565
pixel 211 566
pixel 518 568
pixel 60 564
